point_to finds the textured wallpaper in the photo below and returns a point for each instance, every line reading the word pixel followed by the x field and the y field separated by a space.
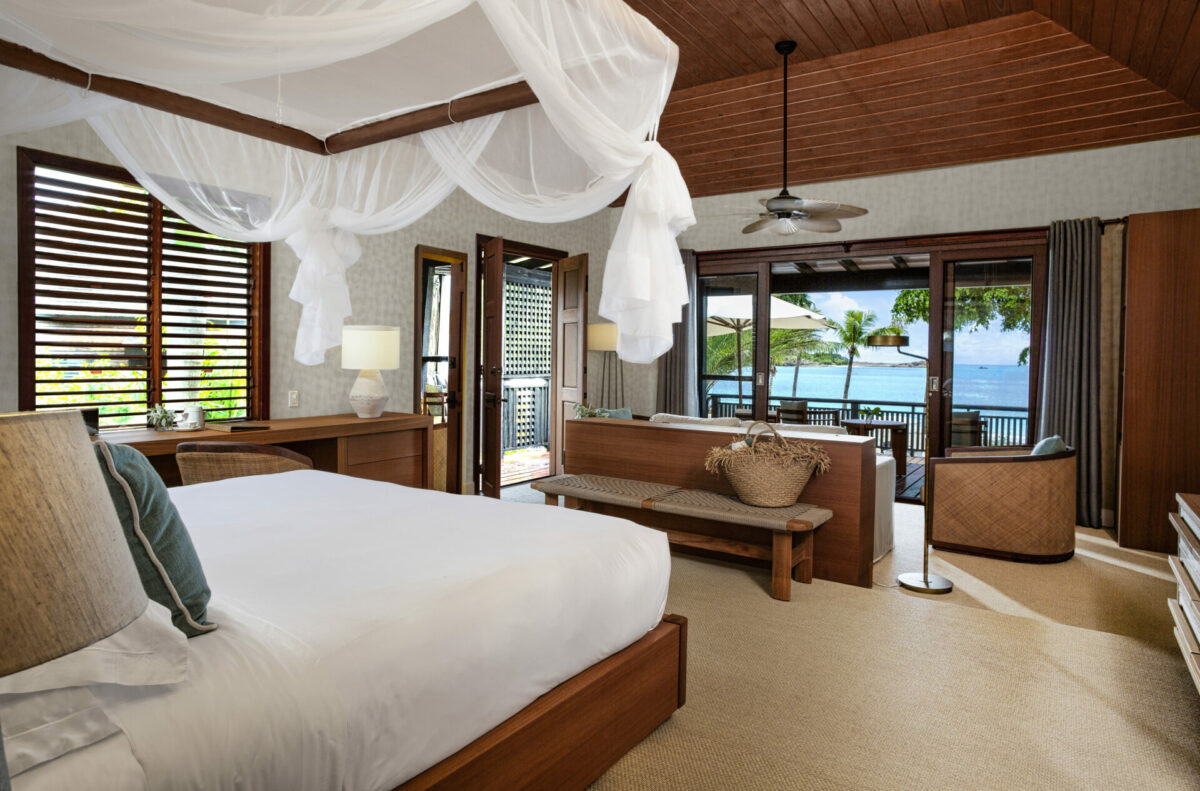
pixel 1107 182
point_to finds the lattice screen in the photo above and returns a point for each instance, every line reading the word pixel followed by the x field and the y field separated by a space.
pixel 526 322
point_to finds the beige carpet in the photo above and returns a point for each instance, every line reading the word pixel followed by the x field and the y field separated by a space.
pixel 1103 587
pixel 853 688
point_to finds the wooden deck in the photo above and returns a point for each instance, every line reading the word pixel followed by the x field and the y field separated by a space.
pixel 518 466
pixel 908 486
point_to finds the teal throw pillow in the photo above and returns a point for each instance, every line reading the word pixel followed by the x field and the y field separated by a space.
pixel 1049 445
pixel 158 540
pixel 624 413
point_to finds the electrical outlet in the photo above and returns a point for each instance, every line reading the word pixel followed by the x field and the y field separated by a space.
pixel 293 398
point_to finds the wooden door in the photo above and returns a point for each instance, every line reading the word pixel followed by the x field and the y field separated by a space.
pixel 492 365
pixel 1160 409
pixel 438 358
pixel 568 370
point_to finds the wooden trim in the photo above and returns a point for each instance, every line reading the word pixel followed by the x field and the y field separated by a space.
pixel 1001 554
pixel 24 59
pixel 506 97
pixel 154 388
pixel 458 323
pixel 568 737
pixel 26 269
pixel 260 342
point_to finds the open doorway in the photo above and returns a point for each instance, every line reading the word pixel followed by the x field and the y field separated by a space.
pixel 439 301
pixel 533 305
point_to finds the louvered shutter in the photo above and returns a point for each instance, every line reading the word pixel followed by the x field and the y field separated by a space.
pixel 92 295
pixel 206 318
pixel 131 304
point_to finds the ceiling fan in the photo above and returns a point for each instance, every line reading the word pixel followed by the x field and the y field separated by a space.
pixel 786 214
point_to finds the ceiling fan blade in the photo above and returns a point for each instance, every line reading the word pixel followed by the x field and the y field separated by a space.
pixel 759 224
pixel 831 210
pixel 785 226
pixel 818 224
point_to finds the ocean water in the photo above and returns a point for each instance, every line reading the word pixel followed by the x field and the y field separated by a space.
pixel 974 385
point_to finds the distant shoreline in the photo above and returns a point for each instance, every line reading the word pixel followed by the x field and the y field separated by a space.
pixel 862 364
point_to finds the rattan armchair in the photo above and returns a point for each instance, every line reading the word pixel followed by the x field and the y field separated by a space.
pixel 200 462
pixel 1003 502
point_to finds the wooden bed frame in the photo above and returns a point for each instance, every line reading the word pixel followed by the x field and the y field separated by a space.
pixel 568 737
pixel 843 547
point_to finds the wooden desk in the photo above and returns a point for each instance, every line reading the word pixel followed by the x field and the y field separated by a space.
pixel 861 428
pixel 395 447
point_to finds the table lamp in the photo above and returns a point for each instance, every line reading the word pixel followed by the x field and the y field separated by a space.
pixel 370 348
pixel 602 337
pixel 67 578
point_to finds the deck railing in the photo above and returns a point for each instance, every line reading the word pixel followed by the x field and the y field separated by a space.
pixel 525 421
pixel 1009 427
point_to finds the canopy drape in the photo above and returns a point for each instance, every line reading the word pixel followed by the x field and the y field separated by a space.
pixel 601 74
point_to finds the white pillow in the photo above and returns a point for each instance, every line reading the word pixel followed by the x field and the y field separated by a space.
pixel 150 650
pixel 41 726
pixel 810 428
pixel 664 417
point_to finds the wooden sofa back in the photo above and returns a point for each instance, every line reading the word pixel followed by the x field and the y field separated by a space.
pixel 674 454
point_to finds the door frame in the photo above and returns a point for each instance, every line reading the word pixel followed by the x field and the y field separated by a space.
pixel 761 363
pixel 458 325
pixel 938 275
pixel 509 246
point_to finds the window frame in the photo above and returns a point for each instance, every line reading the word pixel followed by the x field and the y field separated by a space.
pixel 258 401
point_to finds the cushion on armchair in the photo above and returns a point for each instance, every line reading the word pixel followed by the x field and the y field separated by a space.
pixel 1048 446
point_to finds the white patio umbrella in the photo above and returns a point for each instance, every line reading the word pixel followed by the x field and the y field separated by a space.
pixel 735 312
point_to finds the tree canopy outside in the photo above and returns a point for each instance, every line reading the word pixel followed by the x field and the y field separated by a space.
pixel 975 308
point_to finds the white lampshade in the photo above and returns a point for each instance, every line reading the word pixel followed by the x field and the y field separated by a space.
pixel 370 346
pixel 602 337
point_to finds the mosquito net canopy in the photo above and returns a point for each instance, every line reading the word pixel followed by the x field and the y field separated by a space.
pixel 601 74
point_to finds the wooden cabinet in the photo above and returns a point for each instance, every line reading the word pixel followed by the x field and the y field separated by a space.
pixel 1185 607
pixel 395 447
pixel 1160 411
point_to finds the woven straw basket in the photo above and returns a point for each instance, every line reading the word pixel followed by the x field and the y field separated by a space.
pixel 766 482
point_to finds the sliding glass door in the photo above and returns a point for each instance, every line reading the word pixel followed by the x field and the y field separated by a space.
pixel 986 343
pixel 731 381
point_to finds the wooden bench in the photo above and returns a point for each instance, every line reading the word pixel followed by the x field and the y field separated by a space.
pixel 790 529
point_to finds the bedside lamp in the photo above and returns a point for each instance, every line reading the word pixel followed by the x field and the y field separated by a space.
pixel 602 337
pixel 371 349
pixel 66 576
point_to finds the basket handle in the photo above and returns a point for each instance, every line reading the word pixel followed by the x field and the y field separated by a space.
pixel 768 426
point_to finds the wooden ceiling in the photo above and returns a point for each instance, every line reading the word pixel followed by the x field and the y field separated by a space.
pixel 881 86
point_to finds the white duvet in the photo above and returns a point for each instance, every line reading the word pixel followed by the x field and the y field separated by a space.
pixel 367 631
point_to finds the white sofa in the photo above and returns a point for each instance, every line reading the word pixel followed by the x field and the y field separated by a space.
pixel 885 467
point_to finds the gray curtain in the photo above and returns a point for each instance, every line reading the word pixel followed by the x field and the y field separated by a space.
pixel 1070 399
pixel 677 393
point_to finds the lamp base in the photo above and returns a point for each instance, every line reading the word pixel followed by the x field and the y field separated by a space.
pixel 368 396
pixel 925 583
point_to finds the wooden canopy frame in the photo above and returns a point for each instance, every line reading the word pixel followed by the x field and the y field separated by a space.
pixel 506 97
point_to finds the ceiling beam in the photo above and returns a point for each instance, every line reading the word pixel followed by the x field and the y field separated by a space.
pixel 506 97
pixel 899 262
pixel 17 57
pixel 803 268
pixel 849 265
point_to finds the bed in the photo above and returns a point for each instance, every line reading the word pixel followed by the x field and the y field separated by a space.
pixel 374 636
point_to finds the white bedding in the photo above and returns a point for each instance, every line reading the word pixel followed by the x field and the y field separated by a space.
pixel 367 630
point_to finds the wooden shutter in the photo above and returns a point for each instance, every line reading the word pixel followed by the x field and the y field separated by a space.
pixel 124 304
pixel 86 273
pixel 207 301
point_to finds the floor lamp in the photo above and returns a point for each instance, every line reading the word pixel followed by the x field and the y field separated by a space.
pixel 923 582
pixel 602 337
pixel 66 576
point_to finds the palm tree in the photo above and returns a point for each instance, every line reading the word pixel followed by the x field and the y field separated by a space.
pixel 851 333
pixel 793 344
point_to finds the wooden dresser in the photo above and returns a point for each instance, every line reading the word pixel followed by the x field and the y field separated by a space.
pixel 1186 566
pixel 395 447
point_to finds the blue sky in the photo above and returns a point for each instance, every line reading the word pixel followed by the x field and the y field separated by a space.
pixel 981 347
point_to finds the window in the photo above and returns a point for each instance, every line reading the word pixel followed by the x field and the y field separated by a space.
pixel 124 304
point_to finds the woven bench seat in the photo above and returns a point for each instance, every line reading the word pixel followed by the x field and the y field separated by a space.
pixel 602 489
pixel 790 527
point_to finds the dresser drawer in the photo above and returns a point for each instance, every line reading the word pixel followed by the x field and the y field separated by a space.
pixel 1191 660
pixel 1184 632
pixel 407 471
pixel 1184 579
pixel 1189 546
pixel 367 448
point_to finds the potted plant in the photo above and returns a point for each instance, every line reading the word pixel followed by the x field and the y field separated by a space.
pixel 160 418
pixel 870 413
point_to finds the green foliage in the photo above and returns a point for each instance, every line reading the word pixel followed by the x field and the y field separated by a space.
pixel 975 308
pixel 852 332
pixel 583 410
